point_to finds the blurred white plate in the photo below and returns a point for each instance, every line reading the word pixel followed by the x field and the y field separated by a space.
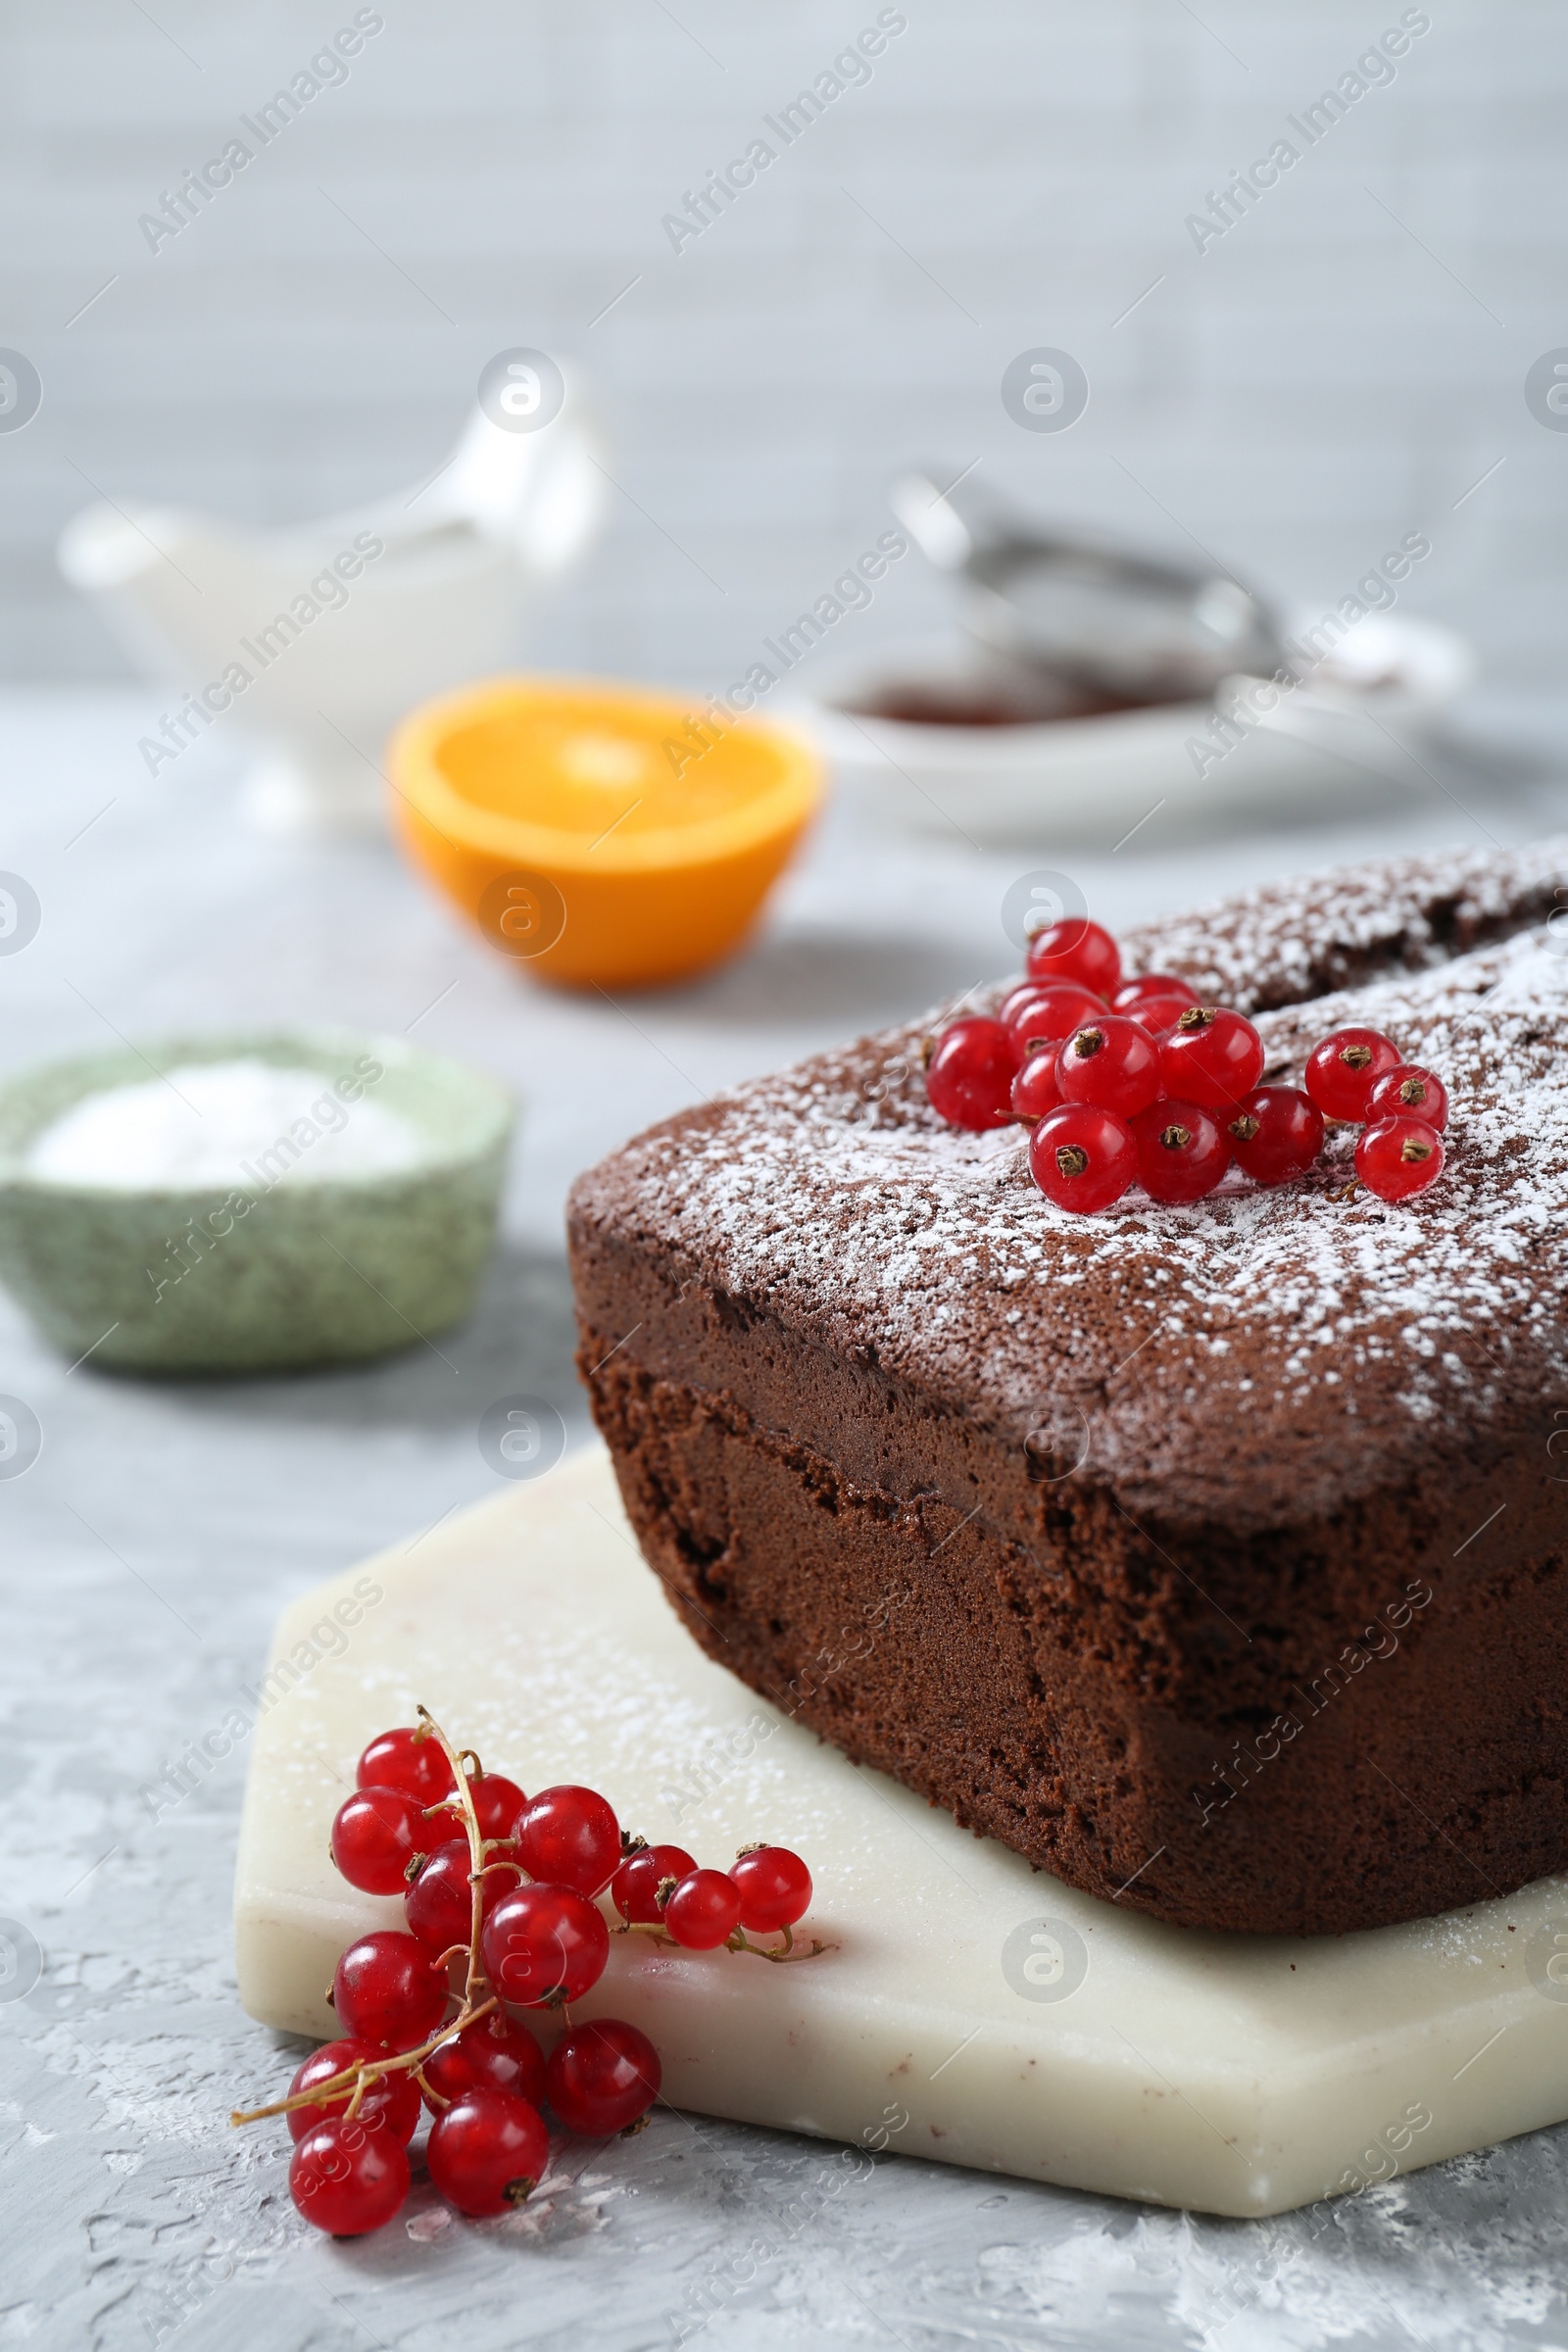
pixel 1384 683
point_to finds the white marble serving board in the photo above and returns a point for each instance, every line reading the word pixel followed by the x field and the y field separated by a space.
pixel 973 2011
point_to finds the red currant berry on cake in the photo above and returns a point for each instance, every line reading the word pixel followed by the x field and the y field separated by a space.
pixel 634 1889
pixel 1051 994
pixel 391 2101
pixel 969 1076
pixel 1047 1009
pixel 487 2152
pixel 1275 1133
pixel 544 1943
pixel 1156 999
pixel 494 2053
pixel 1407 1091
pixel 569 1837
pixel 1160 1015
pixel 347 2180
pixel 376 1834
pixel 1183 1151
pixel 1112 1063
pixel 775 1888
pixel 603 2077
pixel 403 1760
pixel 438 1900
pixel 1342 1070
pixel 1211 1056
pixel 1081 1158
pixel 1396 1158
pixel 704 1909
pixel 1035 1090
pixel 386 1989
pixel 1076 949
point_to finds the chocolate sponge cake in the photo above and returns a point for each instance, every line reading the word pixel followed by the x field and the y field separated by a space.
pixel 1214 1558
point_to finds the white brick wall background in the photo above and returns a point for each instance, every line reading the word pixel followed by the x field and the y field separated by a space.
pixel 1340 367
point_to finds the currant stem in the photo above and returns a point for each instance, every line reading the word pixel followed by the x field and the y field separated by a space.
pixel 453 1756
pixel 739 1941
pixel 475 1982
pixel 366 2070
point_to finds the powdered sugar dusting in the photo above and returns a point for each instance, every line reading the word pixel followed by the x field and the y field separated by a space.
pixel 1301 939
pixel 1278 1325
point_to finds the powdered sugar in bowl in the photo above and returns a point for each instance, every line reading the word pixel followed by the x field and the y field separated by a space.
pixel 249 1203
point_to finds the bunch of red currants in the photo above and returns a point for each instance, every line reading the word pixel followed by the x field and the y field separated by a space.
pixel 506 1887
pixel 1127 1081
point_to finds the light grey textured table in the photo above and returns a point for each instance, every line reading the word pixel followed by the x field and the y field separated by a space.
pixel 146 1553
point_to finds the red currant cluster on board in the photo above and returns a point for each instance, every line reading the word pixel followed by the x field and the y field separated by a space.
pixel 1137 1081
pixel 504 1888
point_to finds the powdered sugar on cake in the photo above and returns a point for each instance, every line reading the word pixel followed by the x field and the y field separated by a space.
pixel 1282 1321
pixel 1290 941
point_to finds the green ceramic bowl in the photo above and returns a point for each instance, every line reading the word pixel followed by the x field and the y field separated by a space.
pixel 269 1276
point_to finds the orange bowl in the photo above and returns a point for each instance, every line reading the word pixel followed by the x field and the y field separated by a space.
pixel 600 833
